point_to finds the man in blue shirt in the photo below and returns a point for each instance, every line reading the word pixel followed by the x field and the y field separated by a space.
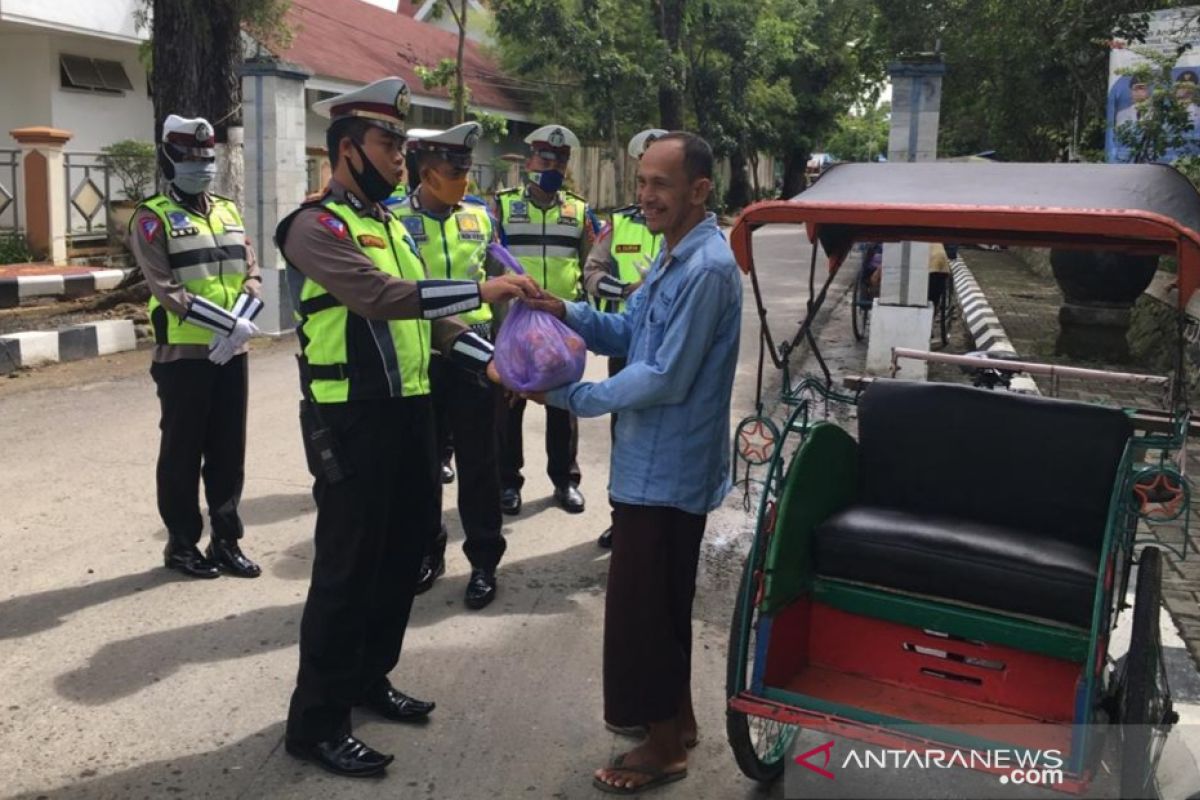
pixel 670 458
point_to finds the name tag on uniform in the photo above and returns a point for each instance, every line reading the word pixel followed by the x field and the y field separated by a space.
pixel 629 248
pixel 469 229
pixel 180 225
pixel 519 211
pixel 416 228
pixel 368 240
pixel 567 216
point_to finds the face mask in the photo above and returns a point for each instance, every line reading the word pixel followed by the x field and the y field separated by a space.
pixel 376 187
pixel 549 181
pixel 194 177
pixel 450 192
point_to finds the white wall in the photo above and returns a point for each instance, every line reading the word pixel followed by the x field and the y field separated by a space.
pixel 100 119
pixel 107 18
pixel 26 90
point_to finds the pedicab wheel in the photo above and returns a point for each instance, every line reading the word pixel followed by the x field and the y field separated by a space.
pixel 1145 699
pixel 759 745
pixel 859 314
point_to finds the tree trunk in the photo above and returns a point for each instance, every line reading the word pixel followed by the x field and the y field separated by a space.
pixel 196 52
pixel 673 80
pixel 738 195
pixel 618 156
pixel 794 164
pixel 460 92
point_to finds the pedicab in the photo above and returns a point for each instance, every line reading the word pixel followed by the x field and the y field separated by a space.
pixel 951 577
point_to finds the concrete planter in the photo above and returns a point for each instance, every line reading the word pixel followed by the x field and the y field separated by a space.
pixel 1099 289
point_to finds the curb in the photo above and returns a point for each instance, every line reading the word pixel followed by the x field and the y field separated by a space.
pixel 73 343
pixel 983 324
pixel 20 287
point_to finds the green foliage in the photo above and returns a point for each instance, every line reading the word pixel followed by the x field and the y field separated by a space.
pixel 861 136
pixel 495 126
pixel 14 249
pixel 1163 123
pixel 133 163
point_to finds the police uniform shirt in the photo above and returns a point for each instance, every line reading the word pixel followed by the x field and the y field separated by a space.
pixel 320 247
pixel 148 243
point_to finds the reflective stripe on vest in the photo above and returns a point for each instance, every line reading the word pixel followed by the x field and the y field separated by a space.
pixel 454 248
pixel 207 254
pixel 546 242
pixel 633 248
pixel 350 357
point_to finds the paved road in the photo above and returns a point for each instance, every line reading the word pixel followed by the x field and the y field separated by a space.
pixel 121 681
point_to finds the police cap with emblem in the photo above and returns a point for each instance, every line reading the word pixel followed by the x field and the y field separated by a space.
pixel 557 139
pixel 455 144
pixel 383 104
pixel 640 141
pixel 193 137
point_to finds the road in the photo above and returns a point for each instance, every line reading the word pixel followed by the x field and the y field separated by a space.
pixel 122 681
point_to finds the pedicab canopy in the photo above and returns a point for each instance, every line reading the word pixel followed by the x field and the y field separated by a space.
pixel 1147 209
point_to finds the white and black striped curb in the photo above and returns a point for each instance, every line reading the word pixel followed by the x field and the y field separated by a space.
pixel 983 324
pixel 75 342
pixel 14 289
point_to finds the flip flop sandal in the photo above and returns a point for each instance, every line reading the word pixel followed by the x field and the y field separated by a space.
pixel 658 777
pixel 639 732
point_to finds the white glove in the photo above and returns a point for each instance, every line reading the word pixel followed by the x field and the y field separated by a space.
pixel 221 351
pixel 243 329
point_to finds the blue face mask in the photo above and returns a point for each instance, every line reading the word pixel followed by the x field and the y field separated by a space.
pixel 549 181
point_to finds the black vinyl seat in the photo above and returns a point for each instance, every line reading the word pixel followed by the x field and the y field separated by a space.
pixel 988 498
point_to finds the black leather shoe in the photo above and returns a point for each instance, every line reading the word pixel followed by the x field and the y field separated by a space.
pixel 605 539
pixel 344 756
pixel 395 705
pixel 481 589
pixel 228 557
pixel 510 501
pixel 431 569
pixel 189 560
pixel 447 473
pixel 570 499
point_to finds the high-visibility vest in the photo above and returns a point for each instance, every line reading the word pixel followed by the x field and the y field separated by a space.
pixel 632 246
pixel 207 255
pixel 348 357
pixel 546 242
pixel 454 248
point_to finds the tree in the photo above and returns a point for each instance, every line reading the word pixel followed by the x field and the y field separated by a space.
pixel 861 135
pixel 1163 124
pixel 195 50
pixel 450 69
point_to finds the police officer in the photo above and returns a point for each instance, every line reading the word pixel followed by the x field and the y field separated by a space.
pixel 367 319
pixel 452 234
pixel 204 287
pixel 618 261
pixel 548 230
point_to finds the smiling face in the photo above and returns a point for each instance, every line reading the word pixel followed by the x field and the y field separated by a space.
pixel 670 200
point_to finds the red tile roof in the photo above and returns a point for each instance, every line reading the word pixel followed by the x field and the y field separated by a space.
pixel 355 41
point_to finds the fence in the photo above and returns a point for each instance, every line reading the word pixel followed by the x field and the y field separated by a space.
pixel 10 206
pixel 88 194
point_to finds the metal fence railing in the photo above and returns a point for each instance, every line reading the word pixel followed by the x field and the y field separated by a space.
pixel 10 205
pixel 88 194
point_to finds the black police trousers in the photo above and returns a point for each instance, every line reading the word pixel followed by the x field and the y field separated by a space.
pixel 203 426
pixel 562 445
pixel 373 528
pixel 465 410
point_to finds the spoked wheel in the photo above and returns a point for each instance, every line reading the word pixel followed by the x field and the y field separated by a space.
pixel 759 745
pixel 860 313
pixel 1146 712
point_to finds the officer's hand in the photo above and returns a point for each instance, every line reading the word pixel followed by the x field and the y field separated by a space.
pixel 537 397
pixel 492 373
pixel 633 287
pixel 550 304
pixel 505 287
pixel 243 329
pixel 221 351
pixel 253 288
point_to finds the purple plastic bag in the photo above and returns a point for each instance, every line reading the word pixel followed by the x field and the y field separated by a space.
pixel 535 352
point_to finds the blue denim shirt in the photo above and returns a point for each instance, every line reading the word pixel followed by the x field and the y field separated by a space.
pixel 679 333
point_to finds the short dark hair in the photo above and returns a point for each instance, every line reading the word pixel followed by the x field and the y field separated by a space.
pixel 352 127
pixel 697 154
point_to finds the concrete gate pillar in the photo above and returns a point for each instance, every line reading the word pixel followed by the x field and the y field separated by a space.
pixel 273 114
pixel 902 316
pixel 44 194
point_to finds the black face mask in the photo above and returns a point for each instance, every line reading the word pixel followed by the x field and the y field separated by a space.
pixel 376 187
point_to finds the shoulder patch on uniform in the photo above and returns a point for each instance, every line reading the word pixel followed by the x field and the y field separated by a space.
pixel 518 211
pixel 333 224
pixel 370 240
pixel 415 227
pixel 150 226
pixel 181 225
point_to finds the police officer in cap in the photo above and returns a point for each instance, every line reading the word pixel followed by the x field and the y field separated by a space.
pixel 452 234
pixel 618 261
pixel 367 319
pixel 204 292
pixel 548 230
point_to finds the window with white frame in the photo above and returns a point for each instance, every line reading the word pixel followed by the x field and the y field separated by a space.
pixel 93 75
